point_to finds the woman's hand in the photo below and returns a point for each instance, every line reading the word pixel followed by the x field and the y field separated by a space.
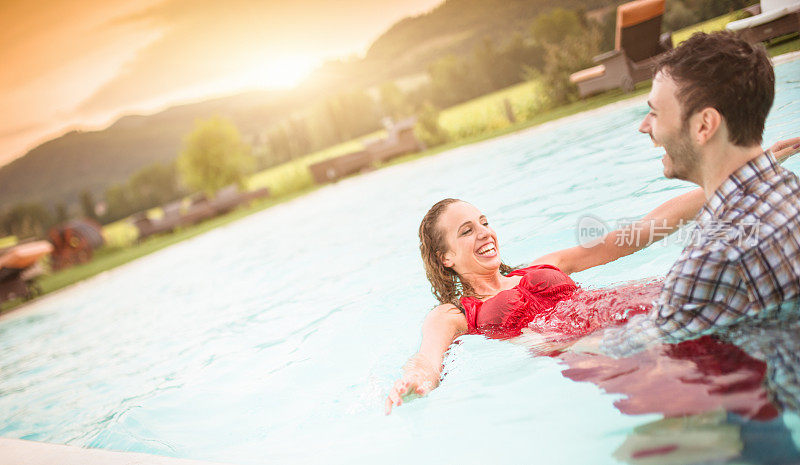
pixel 417 379
pixel 785 148
pixel 421 374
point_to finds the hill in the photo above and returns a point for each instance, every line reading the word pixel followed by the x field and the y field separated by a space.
pixel 456 27
pixel 60 169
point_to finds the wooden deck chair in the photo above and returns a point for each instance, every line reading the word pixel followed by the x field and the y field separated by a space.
pixel 638 43
pixel 776 18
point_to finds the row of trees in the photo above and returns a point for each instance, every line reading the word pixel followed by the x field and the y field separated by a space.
pixel 336 119
pixel 214 156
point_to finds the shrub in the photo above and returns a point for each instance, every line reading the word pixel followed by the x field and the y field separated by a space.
pixel 428 129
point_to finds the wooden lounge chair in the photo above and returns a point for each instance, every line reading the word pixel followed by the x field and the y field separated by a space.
pixel 199 210
pixel 262 193
pixel 339 167
pixel 638 43
pixel 227 199
pixel 19 266
pixel 400 140
pixel 776 18
pixel 148 226
pixel 74 242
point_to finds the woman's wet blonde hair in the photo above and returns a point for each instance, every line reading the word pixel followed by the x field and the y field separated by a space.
pixel 446 285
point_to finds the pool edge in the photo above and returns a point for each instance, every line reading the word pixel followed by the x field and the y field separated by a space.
pixel 23 452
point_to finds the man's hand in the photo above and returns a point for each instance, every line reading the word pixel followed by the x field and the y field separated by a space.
pixel 785 148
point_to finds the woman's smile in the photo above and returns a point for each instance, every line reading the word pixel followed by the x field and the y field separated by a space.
pixel 487 250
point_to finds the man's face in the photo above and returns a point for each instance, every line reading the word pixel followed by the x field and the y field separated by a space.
pixel 664 124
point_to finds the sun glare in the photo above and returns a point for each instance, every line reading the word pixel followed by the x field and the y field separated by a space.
pixel 282 72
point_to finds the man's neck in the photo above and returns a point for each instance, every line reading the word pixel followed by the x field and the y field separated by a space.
pixel 723 161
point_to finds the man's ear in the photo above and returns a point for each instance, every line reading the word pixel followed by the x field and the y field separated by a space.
pixel 705 124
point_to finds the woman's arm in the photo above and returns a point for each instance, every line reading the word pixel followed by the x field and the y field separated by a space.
pixel 658 224
pixel 422 371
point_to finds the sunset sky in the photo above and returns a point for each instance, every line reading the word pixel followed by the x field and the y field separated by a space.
pixel 86 62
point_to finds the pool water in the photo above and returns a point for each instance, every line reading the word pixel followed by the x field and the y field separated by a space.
pixel 277 337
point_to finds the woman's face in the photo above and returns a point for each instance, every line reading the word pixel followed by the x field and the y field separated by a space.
pixel 471 243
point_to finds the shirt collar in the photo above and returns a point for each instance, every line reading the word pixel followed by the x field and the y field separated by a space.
pixel 759 168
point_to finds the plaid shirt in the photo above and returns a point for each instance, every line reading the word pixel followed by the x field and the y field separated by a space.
pixel 742 264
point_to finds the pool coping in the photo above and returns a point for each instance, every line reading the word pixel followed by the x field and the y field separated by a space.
pixel 785 58
pixel 23 452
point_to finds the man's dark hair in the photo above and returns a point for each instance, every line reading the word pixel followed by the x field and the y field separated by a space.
pixel 722 71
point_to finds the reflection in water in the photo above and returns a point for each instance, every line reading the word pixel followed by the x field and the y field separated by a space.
pixel 721 400
pixel 721 396
pixel 711 437
pixel 689 378
pixel 778 344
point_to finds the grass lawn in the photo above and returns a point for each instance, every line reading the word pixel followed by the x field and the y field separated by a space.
pixel 775 47
pixel 7 241
pixel 785 46
pixel 590 103
pixel 488 113
pixel 715 24
pixel 295 175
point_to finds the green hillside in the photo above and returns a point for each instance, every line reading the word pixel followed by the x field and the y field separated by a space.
pixel 457 26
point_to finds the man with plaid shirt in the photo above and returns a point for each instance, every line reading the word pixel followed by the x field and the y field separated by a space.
pixel 709 103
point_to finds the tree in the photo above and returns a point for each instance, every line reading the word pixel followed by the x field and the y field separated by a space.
pixel 214 156
pixel 393 102
pixel 608 29
pixel 572 54
pixel 557 25
pixel 87 204
pixel 452 81
pixel 678 16
pixel 154 185
pixel 490 64
pixel 428 129
pixel 299 136
pixel 62 214
pixel 351 114
pixel 27 220
pixel 119 204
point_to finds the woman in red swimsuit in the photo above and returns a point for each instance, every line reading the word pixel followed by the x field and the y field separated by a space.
pixel 478 293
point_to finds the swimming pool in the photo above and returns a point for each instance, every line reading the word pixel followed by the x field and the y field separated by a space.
pixel 275 338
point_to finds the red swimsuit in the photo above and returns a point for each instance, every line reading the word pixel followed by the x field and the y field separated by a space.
pixel 541 287
pixel 550 303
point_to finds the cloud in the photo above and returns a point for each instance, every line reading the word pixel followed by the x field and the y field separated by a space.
pixel 70 63
pixel 210 46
